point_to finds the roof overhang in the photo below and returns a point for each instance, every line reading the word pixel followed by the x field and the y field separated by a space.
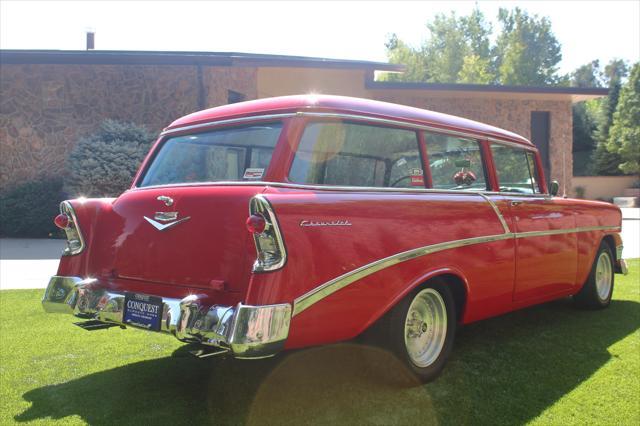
pixel 229 59
pixel 573 94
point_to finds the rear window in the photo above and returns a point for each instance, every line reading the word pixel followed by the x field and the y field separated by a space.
pixel 349 154
pixel 235 154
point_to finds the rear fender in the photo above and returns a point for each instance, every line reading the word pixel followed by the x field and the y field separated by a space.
pixel 415 283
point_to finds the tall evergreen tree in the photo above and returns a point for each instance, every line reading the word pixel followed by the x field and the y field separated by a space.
pixel 606 162
pixel 624 134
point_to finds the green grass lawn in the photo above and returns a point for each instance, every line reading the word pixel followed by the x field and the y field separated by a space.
pixel 550 364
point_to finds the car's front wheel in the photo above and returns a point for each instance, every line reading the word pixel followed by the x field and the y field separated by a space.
pixel 423 328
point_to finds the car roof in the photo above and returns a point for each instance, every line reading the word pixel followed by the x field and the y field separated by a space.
pixel 347 105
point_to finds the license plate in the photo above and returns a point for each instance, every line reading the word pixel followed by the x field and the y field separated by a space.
pixel 141 310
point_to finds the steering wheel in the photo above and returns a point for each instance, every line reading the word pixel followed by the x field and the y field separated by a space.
pixel 395 182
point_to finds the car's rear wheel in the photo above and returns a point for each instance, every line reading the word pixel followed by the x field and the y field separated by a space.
pixel 597 290
pixel 422 329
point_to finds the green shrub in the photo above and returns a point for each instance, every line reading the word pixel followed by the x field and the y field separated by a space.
pixel 104 164
pixel 28 210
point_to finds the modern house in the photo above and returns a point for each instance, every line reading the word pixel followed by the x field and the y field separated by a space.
pixel 50 98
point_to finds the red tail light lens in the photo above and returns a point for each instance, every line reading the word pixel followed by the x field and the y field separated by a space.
pixel 61 221
pixel 256 224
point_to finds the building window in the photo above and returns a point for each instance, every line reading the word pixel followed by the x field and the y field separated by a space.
pixel 235 97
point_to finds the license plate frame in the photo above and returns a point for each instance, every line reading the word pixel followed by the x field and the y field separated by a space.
pixel 142 311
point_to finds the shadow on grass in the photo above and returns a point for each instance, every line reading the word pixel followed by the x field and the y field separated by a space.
pixel 503 370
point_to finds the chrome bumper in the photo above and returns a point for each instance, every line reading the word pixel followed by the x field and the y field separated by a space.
pixel 244 331
pixel 624 269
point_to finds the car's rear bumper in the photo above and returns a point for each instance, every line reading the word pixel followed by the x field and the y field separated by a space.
pixel 244 331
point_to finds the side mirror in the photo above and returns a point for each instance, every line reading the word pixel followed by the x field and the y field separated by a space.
pixel 554 187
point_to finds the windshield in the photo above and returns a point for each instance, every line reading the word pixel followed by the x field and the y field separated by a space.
pixel 236 154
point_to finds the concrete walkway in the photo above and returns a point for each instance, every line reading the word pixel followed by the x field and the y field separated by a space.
pixel 29 263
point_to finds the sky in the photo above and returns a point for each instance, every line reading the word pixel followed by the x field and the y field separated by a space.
pixel 358 30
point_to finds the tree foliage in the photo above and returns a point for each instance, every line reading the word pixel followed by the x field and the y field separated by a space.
pixel 27 210
pixel 104 164
pixel 526 52
pixel 624 135
pixel 459 50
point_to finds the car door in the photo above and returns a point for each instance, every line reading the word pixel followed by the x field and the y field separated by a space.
pixel 546 244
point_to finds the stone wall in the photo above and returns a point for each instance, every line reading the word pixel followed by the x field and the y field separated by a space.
pixel 45 109
pixel 509 114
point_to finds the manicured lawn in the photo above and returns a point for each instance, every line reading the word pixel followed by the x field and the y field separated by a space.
pixel 545 365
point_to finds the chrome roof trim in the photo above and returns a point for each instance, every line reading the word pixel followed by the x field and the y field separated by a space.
pixel 414 126
pixel 216 123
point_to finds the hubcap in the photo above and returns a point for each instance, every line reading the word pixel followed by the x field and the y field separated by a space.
pixel 425 327
pixel 603 275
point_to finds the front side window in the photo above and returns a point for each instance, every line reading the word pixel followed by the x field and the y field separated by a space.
pixel 349 154
pixel 455 163
pixel 515 168
pixel 235 154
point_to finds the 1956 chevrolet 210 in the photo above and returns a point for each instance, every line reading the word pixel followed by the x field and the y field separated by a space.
pixel 289 222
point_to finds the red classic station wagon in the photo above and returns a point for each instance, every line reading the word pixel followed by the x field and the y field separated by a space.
pixel 290 222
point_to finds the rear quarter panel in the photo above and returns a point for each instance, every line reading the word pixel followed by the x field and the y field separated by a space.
pixel 590 214
pixel 382 225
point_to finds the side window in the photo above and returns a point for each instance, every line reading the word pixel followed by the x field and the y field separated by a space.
pixel 455 163
pixel 516 169
pixel 349 154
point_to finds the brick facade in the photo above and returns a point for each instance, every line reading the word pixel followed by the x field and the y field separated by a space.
pixel 45 108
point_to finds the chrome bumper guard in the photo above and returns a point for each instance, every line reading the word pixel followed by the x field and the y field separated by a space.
pixel 243 330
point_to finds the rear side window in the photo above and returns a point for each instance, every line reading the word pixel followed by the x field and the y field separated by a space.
pixel 349 154
pixel 455 163
pixel 235 154
pixel 516 169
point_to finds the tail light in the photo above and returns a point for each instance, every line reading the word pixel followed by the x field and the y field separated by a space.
pixel 263 225
pixel 69 223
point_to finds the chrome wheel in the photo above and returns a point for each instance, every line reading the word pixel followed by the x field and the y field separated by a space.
pixel 603 276
pixel 425 327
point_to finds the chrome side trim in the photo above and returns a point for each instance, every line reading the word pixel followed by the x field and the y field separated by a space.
pixel 498 213
pixel 529 234
pixel 314 296
pixel 215 123
pixel 314 187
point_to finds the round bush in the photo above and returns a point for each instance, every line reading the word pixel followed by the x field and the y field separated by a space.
pixel 28 210
pixel 104 164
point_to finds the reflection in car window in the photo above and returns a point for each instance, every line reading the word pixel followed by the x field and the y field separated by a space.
pixel 240 153
pixel 455 163
pixel 348 154
pixel 515 168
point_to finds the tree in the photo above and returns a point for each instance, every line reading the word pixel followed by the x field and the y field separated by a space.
pixel 104 164
pixel 526 51
pixel 607 162
pixel 624 136
pixel 458 48
pixel 588 75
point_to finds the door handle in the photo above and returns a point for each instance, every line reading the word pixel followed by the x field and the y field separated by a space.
pixel 516 203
